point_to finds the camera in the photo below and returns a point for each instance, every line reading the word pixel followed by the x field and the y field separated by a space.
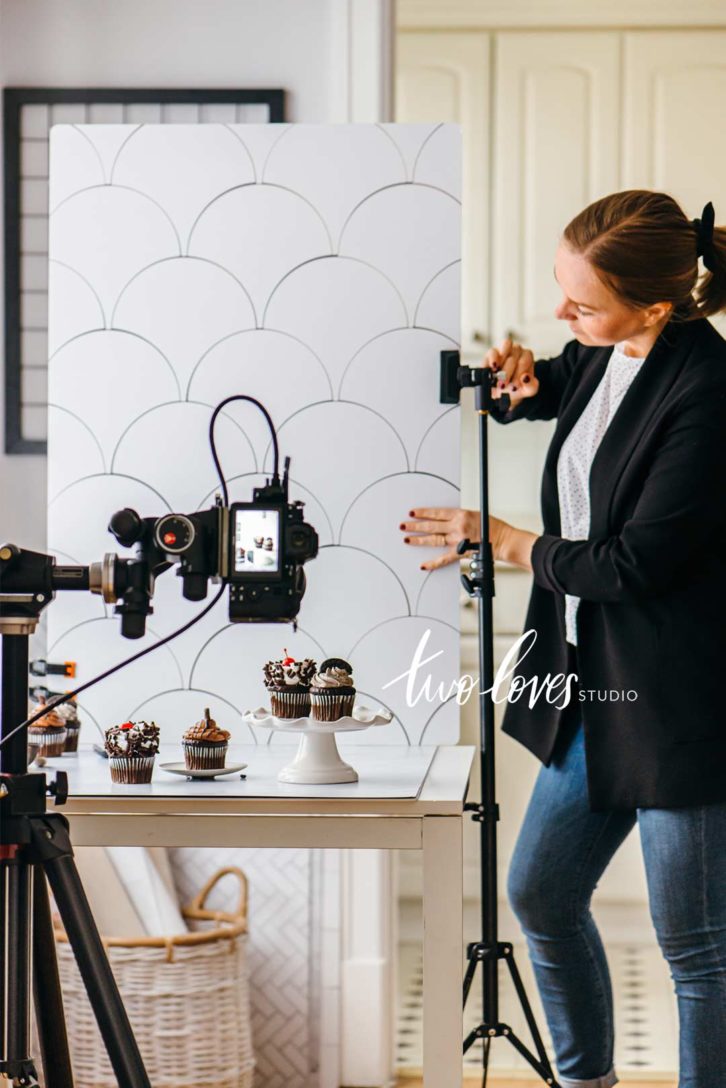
pixel 256 548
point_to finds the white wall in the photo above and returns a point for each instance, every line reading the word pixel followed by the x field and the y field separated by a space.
pixel 159 43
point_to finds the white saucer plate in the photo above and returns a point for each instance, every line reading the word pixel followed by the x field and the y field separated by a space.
pixel 181 768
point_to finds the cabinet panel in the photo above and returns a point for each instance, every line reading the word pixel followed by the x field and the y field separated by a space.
pixel 675 102
pixel 445 77
pixel 556 141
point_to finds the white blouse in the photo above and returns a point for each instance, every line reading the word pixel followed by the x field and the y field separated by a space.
pixel 577 453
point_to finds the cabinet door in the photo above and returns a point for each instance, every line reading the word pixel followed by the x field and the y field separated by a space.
pixel 555 150
pixel 445 77
pixel 675 104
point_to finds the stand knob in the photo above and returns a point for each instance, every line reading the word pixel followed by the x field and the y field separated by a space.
pixel 126 526
pixel 58 788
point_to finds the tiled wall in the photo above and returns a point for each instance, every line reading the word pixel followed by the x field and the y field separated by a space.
pixel 316 268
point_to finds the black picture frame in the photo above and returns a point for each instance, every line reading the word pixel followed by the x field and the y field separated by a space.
pixel 14 99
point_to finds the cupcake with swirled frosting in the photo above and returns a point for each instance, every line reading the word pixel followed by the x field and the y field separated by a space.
pixel 205 745
pixel 47 735
pixel 332 693
pixel 288 682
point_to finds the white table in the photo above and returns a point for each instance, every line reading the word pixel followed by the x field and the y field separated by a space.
pixel 261 812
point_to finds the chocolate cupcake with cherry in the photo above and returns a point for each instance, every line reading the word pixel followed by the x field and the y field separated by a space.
pixel 131 749
pixel 288 682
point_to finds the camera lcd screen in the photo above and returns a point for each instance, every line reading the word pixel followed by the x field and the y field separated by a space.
pixel 256 542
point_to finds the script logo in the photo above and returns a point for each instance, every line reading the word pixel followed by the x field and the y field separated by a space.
pixel 552 687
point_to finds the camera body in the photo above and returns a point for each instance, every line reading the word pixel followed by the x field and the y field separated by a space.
pixel 257 548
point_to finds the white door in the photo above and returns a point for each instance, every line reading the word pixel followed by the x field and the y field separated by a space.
pixel 674 109
pixel 555 150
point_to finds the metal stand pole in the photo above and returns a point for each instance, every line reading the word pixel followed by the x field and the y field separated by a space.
pixel 479 584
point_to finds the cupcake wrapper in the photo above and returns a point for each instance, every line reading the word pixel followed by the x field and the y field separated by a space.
pixel 128 771
pixel 290 704
pixel 72 733
pixel 204 757
pixel 47 744
pixel 329 706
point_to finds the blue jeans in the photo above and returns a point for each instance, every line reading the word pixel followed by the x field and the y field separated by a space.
pixel 561 852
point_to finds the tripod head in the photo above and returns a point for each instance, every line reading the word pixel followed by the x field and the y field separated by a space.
pixel 454 377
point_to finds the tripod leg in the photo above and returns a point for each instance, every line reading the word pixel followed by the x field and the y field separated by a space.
pixel 485 1061
pixel 527 1009
pixel 469 977
pixel 15 1060
pixel 47 996
pixel 53 846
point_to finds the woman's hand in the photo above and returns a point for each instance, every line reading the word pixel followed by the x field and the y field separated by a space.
pixel 441 527
pixel 445 526
pixel 515 365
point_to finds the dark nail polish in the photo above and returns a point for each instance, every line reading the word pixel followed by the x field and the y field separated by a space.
pixel 525 378
pixel 406 540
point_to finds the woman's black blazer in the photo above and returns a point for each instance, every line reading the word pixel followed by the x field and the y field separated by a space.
pixel 651 577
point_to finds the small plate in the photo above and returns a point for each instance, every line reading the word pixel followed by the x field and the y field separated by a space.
pixel 181 768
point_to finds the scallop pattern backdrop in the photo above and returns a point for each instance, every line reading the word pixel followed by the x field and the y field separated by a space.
pixel 317 268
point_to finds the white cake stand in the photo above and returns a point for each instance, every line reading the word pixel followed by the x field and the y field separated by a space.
pixel 318 761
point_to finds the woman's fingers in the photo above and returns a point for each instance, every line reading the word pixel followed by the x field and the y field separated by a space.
pixel 432 540
pixel 516 373
pixel 436 527
pixel 423 526
pixel 441 561
pixel 523 378
pixel 440 527
pixel 431 519
pixel 440 513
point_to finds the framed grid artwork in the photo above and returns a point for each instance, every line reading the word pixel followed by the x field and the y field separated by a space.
pixel 28 114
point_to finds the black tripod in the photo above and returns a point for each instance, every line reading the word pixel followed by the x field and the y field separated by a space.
pixel 480 584
pixel 35 845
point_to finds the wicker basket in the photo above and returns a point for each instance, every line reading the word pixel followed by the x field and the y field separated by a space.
pixel 187 998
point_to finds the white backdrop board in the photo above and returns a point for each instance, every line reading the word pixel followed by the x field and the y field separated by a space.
pixel 316 268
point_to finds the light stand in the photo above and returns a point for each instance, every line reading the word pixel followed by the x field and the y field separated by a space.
pixel 35 846
pixel 479 583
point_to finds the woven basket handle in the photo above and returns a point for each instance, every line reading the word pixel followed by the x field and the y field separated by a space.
pixel 200 900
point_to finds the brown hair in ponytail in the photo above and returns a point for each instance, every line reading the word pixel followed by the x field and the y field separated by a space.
pixel 643 247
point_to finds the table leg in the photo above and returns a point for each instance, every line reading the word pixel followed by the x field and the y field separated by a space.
pixel 443 956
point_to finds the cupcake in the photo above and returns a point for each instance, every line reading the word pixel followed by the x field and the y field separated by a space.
pixel 205 745
pixel 68 711
pixel 332 693
pixel 288 682
pixel 46 736
pixel 131 749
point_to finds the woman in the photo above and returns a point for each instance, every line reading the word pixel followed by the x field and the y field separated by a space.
pixel 629 593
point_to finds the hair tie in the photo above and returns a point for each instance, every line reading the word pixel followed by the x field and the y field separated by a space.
pixel 704 237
